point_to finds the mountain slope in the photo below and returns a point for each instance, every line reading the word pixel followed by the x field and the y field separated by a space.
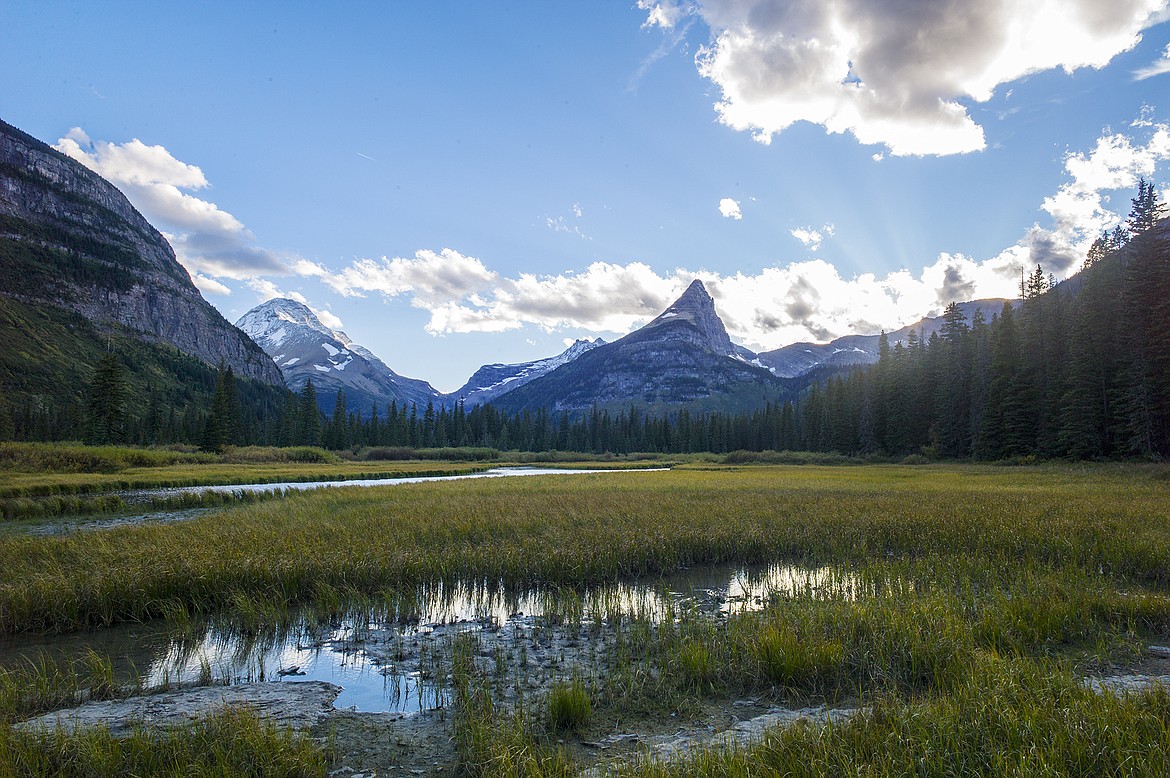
pixel 71 240
pixel 491 381
pixel 683 358
pixel 304 349
pixel 798 359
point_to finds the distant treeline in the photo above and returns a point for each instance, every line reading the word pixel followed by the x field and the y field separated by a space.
pixel 1075 370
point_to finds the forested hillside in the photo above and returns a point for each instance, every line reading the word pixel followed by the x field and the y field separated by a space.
pixel 1080 370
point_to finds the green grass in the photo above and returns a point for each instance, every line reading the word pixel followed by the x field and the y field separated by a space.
pixel 37 470
pixel 582 529
pixel 960 604
pixel 1011 717
pixel 235 742
pixel 569 706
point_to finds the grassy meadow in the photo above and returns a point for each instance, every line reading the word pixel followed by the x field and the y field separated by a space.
pixel 963 607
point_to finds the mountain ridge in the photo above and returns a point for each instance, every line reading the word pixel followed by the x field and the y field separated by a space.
pixel 305 348
pixel 74 242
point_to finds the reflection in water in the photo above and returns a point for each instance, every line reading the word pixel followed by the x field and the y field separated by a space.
pixel 391 658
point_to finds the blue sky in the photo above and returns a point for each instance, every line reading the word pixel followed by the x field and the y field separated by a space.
pixel 461 183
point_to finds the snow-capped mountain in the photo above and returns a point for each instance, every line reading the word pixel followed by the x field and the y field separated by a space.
pixel 797 359
pixel 682 357
pixel 304 348
pixel 491 381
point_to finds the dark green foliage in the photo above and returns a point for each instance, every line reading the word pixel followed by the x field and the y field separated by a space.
pixel 49 363
pixel 106 406
pixel 222 428
pixel 1077 370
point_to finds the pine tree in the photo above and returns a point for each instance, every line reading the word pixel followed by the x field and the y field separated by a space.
pixel 309 433
pixel 106 417
pixel 1146 210
pixel 222 428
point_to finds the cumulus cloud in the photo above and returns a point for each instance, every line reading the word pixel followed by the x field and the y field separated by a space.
pixel 798 301
pixel 893 72
pixel 730 209
pixel 1155 68
pixel 664 13
pixel 429 277
pixel 209 285
pixel 1080 208
pixel 208 241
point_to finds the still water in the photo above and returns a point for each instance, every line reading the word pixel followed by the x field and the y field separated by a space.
pixel 390 658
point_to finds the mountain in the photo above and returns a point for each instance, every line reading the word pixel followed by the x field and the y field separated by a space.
pixel 83 275
pixel 798 359
pixel 73 242
pixel 304 349
pixel 684 357
pixel 491 381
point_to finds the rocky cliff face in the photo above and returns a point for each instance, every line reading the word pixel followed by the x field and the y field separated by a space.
pixel 682 358
pixel 74 241
pixel 305 349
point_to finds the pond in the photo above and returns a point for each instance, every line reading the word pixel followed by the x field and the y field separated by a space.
pixel 392 658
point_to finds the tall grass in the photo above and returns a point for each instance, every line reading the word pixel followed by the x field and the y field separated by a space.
pixel 575 530
pixel 234 742
pixel 1011 717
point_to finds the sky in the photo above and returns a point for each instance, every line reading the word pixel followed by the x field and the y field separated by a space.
pixel 461 183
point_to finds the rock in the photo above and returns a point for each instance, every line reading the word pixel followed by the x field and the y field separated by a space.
pixel 1123 684
pixel 299 705
pixel 48 200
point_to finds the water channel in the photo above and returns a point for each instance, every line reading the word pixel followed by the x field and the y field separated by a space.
pixel 140 499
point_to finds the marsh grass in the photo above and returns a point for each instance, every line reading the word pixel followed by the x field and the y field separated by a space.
pixel 235 742
pixel 573 531
pixel 40 684
pixel 1010 717
pixel 569 706
pixel 958 604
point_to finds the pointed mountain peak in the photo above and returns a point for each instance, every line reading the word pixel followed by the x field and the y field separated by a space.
pixel 695 293
pixel 696 307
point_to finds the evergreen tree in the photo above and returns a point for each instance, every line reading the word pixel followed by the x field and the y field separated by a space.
pixel 106 409
pixel 222 428
pixel 309 433
pixel 1146 210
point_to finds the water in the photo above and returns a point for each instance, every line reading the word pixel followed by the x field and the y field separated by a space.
pixel 393 659
pixel 144 496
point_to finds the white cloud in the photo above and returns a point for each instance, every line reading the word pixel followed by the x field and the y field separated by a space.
pixel 730 209
pixel 429 277
pixel 805 300
pixel 1079 208
pixel 208 241
pixel 893 72
pixel 664 13
pixel 563 224
pixel 328 318
pixel 811 237
pixel 209 285
pixel 1155 68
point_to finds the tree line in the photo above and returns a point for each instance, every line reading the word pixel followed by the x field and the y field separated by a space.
pixel 1076 370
